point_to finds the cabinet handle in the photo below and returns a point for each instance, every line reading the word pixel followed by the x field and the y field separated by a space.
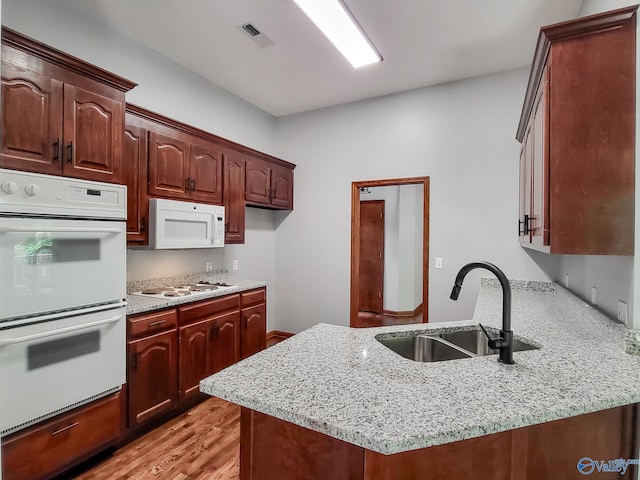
pixel 153 324
pixel 142 223
pixel 70 152
pixel 56 150
pixel 215 332
pixel 134 361
pixel 186 184
pixel 526 226
pixel 193 184
pixel 64 429
pixel 226 227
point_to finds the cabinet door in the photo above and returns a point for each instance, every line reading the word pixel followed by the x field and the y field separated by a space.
pixel 153 376
pixel 206 173
pixel 168 166
pixel 134 161
pixel 540 168
pixel 31 121
pixel 233 198
pixel 225 349
pixel 93 130
pixel 254 329
pixel 194 361
pixel 258 181
pixel 524 221
pixel 282 187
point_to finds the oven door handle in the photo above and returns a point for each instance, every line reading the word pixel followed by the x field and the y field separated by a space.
pixel 36 336
pixel 59 230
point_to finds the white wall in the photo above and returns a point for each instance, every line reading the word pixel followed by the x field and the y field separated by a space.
pixel 460 134
pixel 169 89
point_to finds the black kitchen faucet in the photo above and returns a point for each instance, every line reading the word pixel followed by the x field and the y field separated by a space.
pixel 505 342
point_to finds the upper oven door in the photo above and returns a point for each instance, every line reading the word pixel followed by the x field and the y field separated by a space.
pixel 53 264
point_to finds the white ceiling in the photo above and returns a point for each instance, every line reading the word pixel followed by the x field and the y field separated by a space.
pixel 423 42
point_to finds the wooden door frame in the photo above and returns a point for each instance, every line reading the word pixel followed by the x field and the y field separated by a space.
pixel 355 239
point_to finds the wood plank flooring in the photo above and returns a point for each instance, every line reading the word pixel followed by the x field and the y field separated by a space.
pixel 202 443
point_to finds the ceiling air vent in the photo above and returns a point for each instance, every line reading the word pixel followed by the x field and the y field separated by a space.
pixel 256 35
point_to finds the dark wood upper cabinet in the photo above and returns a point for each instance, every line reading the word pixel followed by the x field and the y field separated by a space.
pixel 233 196
pixel 269 184
pixel 169 166
pixel 186 163
pixel 134 167
pixel 31 121
pixel 206 172
pixel 577 131
pixel 60 115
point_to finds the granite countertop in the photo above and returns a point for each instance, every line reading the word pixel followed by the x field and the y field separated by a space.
pixel 139 304
pixel 344 383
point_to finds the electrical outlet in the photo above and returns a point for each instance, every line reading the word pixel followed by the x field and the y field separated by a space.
pixel 566 280
pixel 235 265
pixel 623 311
pixel 208 266
pixel 438 262
pixel 594 296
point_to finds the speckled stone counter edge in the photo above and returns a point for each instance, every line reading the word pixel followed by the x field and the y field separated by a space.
pixel 587 323
pixel 139 304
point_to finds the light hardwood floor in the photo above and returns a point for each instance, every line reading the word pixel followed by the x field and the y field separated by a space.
pixel 203 443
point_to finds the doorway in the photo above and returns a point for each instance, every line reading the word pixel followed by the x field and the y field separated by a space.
pixel 389 251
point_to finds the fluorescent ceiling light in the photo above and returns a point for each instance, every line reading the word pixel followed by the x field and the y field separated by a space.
pixel 334 19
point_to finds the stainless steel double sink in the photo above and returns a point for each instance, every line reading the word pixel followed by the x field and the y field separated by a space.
pixel 445 346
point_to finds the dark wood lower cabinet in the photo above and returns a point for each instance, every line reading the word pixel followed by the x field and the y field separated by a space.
pixel 254 321
pixel 153 376
pixel 52 446
pixel 269 447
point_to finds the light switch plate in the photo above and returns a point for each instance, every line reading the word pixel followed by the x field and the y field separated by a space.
pixel 594 296
pixel 438 262
pixel 623 311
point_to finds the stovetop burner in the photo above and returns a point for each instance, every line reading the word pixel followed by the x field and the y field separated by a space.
pixel 182 290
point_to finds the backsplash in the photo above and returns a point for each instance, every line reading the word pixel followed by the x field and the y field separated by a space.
pixel 214 276
pixel 528 285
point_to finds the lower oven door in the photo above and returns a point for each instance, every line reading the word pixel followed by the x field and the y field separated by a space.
pixel 48 366
pixel 58 264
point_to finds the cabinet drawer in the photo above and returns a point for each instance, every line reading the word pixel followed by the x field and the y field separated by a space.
pixel 253 297
pixel 60 442
pixel 196 311
pixel 151 323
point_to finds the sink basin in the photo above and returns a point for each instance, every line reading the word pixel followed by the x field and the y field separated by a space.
pixel 476 342
pixel 446 346
pixel 423 348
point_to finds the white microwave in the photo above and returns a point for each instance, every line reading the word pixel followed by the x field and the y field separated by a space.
pixel 175 225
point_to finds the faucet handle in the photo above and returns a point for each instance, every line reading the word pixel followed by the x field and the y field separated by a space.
pixel 494 343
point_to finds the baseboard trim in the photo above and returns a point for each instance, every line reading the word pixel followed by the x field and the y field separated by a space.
pixel 406 313
pixel 278 335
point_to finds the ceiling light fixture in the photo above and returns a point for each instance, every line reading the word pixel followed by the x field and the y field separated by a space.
pixel 337 23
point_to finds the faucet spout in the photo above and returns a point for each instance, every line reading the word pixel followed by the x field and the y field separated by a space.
pixel 505 342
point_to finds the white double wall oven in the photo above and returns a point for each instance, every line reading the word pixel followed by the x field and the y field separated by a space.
pixel 62 294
